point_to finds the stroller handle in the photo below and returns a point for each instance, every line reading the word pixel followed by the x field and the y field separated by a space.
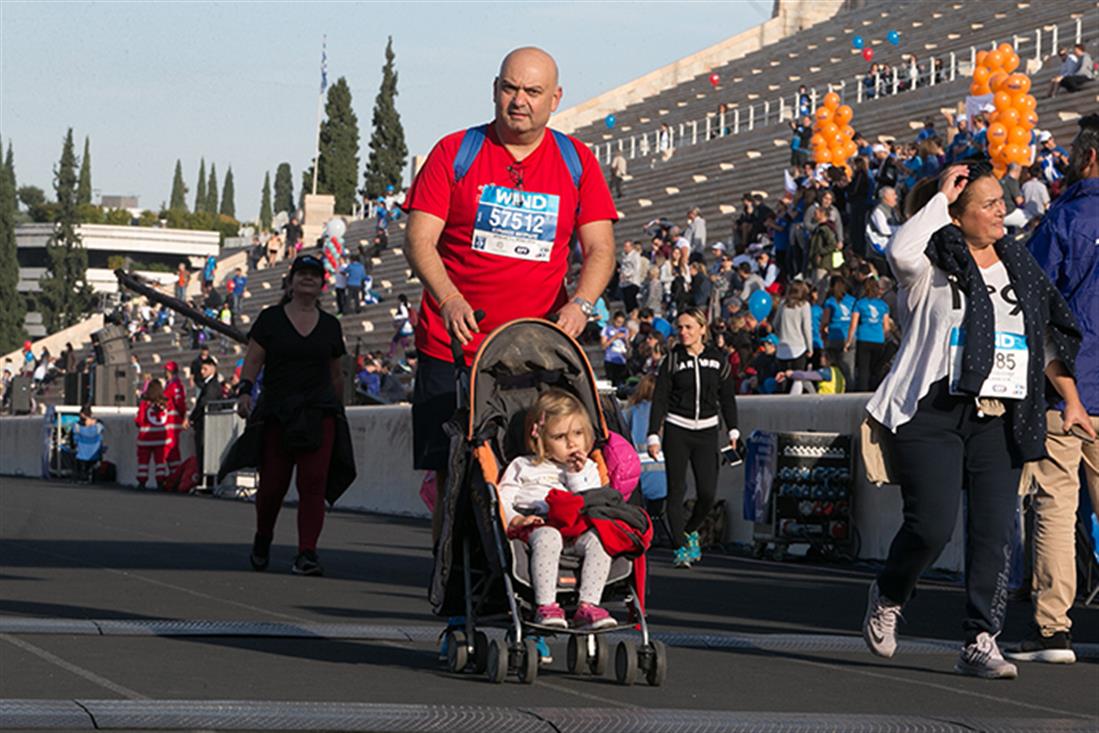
pixel 456 346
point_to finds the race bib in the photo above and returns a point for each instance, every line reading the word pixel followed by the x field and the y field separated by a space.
pixel 1007 380
pixel 517 224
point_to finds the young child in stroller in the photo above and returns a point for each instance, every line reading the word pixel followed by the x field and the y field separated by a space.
pixel 559 436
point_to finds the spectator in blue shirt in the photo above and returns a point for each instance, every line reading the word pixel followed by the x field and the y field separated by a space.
pixel 88 437
pixel 356 276
pixel 1053 158
pixel 210 270
pixel 869 324
pixel 816 313
pixel 615 342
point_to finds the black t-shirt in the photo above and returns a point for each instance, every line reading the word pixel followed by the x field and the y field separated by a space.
pixel 296 364
pixel 293 233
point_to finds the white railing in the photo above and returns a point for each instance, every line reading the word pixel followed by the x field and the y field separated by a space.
pixel 687 132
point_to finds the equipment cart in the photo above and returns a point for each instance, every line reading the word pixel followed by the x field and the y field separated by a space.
pixel 798 490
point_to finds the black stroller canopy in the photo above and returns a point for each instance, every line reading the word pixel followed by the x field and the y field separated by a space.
pixel 516 363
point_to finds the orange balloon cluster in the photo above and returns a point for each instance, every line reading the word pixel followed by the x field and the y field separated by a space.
pixel 1010 126
pixel 833 137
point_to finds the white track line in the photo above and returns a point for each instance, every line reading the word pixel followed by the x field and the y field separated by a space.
pixel 87 674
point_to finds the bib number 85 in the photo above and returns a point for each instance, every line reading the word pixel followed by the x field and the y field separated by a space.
pixel 1005 361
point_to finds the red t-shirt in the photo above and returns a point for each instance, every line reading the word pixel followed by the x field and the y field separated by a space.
pixel 505 244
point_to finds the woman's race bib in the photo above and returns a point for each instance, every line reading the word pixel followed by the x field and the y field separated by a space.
pixel 1008 378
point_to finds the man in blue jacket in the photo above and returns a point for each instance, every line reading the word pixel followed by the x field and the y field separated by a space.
pixel 1066 245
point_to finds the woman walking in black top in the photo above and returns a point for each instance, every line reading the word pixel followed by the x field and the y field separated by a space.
pixel 298 346
pixel 693 385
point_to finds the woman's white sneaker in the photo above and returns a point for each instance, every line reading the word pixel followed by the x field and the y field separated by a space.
pixel 879 626
pixel 982 658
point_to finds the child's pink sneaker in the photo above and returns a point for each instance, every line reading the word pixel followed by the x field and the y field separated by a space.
pixel 592 618
pixel 550 615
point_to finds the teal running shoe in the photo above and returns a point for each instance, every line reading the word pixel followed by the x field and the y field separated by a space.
pixel 693 547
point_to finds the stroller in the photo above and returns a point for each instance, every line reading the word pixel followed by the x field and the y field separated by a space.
pixel 479 573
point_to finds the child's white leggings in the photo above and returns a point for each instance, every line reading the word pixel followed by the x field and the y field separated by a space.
pixel 546 545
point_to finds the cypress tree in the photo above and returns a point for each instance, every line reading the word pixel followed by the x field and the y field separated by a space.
pixel 388 151
pixel 228 196
pixel 200 191
pixel 338 168
pixel 284 189
pixel 66 296
pixel 84 185
pixel 211 206
pixel 265 215
pixel 12 305
pixel 178 200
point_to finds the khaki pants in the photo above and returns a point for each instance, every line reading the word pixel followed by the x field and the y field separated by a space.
pixel 1055 502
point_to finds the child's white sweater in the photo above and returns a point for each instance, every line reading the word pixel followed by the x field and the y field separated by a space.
pixel 525 484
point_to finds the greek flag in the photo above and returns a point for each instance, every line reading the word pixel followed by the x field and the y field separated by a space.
pixel 324 65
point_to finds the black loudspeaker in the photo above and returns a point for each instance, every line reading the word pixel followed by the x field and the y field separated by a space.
pixel 21 395
pixel 76 388
pixel 112 345
pixel 114 386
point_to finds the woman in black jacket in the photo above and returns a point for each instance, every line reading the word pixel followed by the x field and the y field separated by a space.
pixel 694 384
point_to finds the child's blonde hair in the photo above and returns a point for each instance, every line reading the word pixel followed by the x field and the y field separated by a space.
pixel 553 404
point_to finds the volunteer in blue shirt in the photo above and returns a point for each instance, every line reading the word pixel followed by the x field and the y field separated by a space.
pixel 869 325
pixel 835 322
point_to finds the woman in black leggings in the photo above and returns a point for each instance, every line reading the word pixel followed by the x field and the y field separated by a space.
pixel 694 384
pixel 965 401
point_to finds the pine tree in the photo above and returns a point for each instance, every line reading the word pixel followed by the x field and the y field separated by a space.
pixel 211 206
pixel 284 189
pixel 12 305
pixel 178 200
pixel 84 185
pixel 265 215
pixel 66 296
pixel 338 168
pixel 388 152
pixel 228 196
pixel 200 191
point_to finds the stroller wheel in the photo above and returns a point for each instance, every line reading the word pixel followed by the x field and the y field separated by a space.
pixel 576 657
pixel 599 660
pixel 657 670
pixel 456 652
pixel 528 664
pixel 480 652
pixel 497 663
pixel 625 662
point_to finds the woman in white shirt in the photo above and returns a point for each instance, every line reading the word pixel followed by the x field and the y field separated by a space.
pixel 794 328
pixel 983 330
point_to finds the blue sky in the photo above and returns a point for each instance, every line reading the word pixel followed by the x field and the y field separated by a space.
pixel 237 83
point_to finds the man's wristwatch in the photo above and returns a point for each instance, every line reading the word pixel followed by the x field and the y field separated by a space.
pixel 586 306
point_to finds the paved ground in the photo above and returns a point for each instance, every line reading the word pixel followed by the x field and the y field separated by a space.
pixel 753 643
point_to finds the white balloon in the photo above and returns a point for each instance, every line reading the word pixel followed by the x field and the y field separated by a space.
pixel 335 228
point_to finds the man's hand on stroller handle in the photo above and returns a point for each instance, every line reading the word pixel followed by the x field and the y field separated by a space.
pixel 458 318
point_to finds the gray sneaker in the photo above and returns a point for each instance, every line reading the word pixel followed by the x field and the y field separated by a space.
pixel 879 626
pixel 982 658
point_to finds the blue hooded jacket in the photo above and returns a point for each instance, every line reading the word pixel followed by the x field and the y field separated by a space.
pixel 1066 245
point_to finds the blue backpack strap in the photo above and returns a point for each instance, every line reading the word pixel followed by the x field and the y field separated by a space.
pixel 472 142
pixel 570 156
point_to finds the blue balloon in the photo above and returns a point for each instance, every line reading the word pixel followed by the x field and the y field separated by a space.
pixel 857 42
pixel 759 305
pixel 893 37
pixel 610 121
